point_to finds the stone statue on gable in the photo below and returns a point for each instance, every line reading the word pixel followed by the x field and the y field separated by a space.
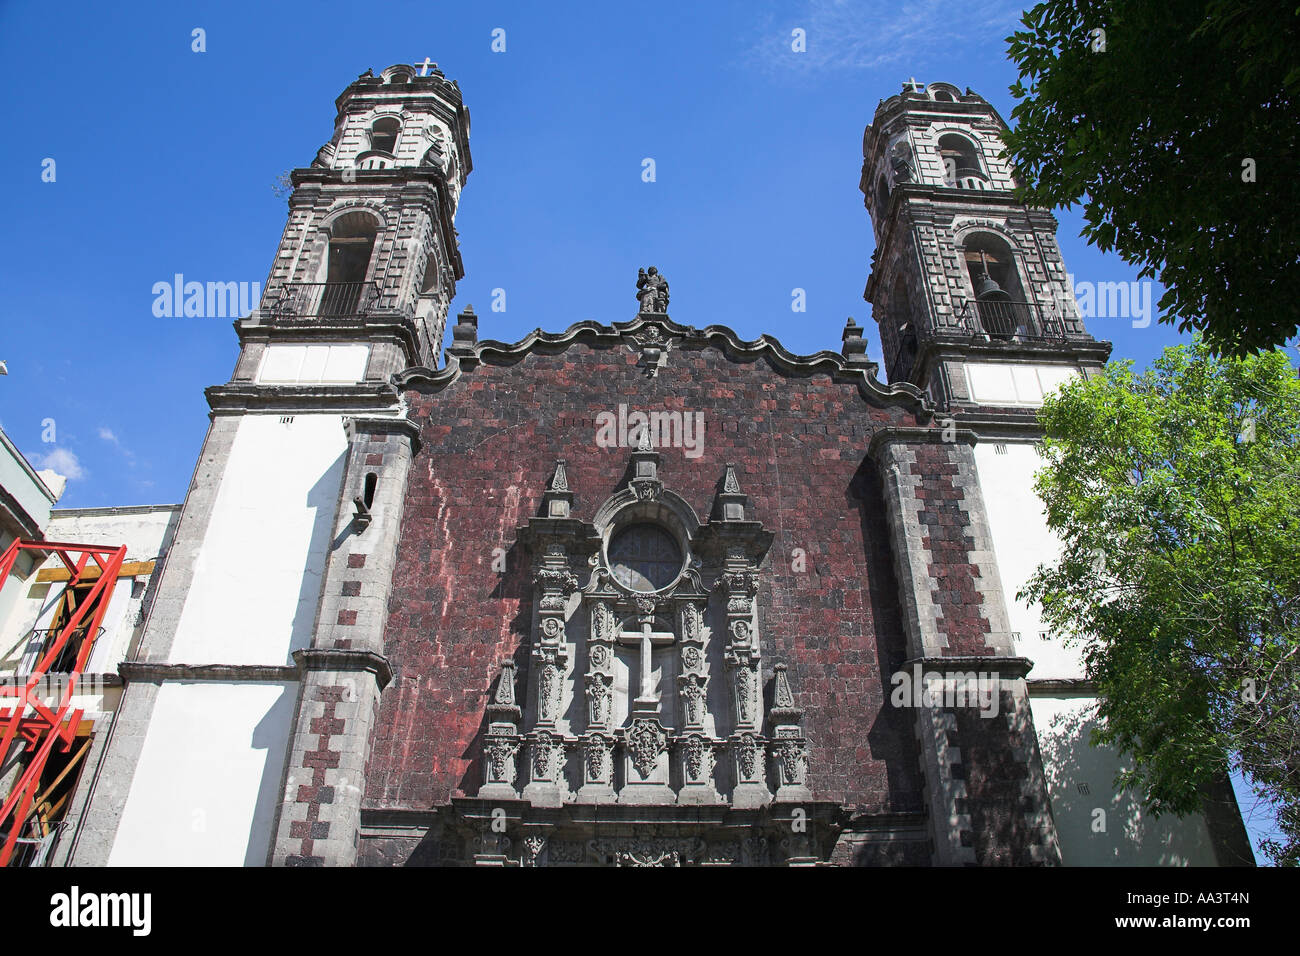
pixel 652 291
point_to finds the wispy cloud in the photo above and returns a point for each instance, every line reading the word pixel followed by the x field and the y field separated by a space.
pixel 107 434
pixel 865 34
pixel 62 461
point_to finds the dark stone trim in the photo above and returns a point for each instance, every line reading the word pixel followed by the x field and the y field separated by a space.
pixel 338 659
pixel 1046 687
pixel 1004 666
pixel 920 436
pixel 386 425
pixel 300 398
pixel 156 673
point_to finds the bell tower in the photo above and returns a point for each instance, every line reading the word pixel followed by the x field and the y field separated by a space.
pixel 967 285
pixel 369 253
pixel 277 584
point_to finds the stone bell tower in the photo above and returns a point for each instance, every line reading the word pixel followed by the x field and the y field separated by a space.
pixel 275 593
pixel 370 242
pixel 967 284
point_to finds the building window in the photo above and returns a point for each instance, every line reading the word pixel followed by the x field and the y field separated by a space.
pixel 1000 309
pixel 644 557
pixel 961 163
pixel 383 135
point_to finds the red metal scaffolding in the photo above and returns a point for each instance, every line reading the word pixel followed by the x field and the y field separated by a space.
pixel 29 717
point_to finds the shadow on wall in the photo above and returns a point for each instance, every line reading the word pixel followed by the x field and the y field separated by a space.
pixel 1098 825
pixel 323 499
pixel 271 735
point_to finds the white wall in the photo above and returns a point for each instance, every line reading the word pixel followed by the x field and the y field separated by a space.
pixel 205 789
pixel 1129 837
pixel 1022 541
pixel 256 583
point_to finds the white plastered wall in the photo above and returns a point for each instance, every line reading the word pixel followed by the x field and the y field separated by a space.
pixel 206 786
pixel 257 577
pixel 1098 826
pixel 204 790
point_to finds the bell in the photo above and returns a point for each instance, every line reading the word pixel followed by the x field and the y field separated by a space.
pixel 990 291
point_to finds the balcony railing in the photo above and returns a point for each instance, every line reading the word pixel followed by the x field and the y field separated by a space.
pixel 40 639
pixel 335 300
pixel 1010 321
pixel 966 178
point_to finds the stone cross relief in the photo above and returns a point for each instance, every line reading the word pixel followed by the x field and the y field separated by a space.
pixel 647 638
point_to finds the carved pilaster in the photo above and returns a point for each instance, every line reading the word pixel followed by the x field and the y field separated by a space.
pixel 501 746
pixel 789 749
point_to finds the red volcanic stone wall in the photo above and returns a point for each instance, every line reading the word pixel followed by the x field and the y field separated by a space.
pixel 490 441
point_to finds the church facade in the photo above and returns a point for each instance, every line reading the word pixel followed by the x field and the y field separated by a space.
pixel 627 593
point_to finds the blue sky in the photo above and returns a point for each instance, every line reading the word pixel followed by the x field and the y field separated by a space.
pixel 166 161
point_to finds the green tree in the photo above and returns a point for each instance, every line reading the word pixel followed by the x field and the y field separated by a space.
pixel 1175 124
pixel 1174 493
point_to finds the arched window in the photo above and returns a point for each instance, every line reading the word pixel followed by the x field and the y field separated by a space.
pixel 347 263
pixel 1000 307
pixel 961 163
pixel 882 196
pixel 644 557
pixel 383 134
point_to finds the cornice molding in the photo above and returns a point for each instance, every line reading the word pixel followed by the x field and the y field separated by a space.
pixel 463 359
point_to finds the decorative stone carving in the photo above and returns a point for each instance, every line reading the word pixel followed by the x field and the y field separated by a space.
pixel 500 752
pixel 557 579
pixel 599 656
pixel 534 846
pixel 548 755
pixel 692 657
pixel 747 757
pixel 598 696
pixel 646 740
pixel 602 622
pixel 697 757
pixel 743 682
pixel 598 751
pixel 692 691
pixel 548 686
pixel 692 628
